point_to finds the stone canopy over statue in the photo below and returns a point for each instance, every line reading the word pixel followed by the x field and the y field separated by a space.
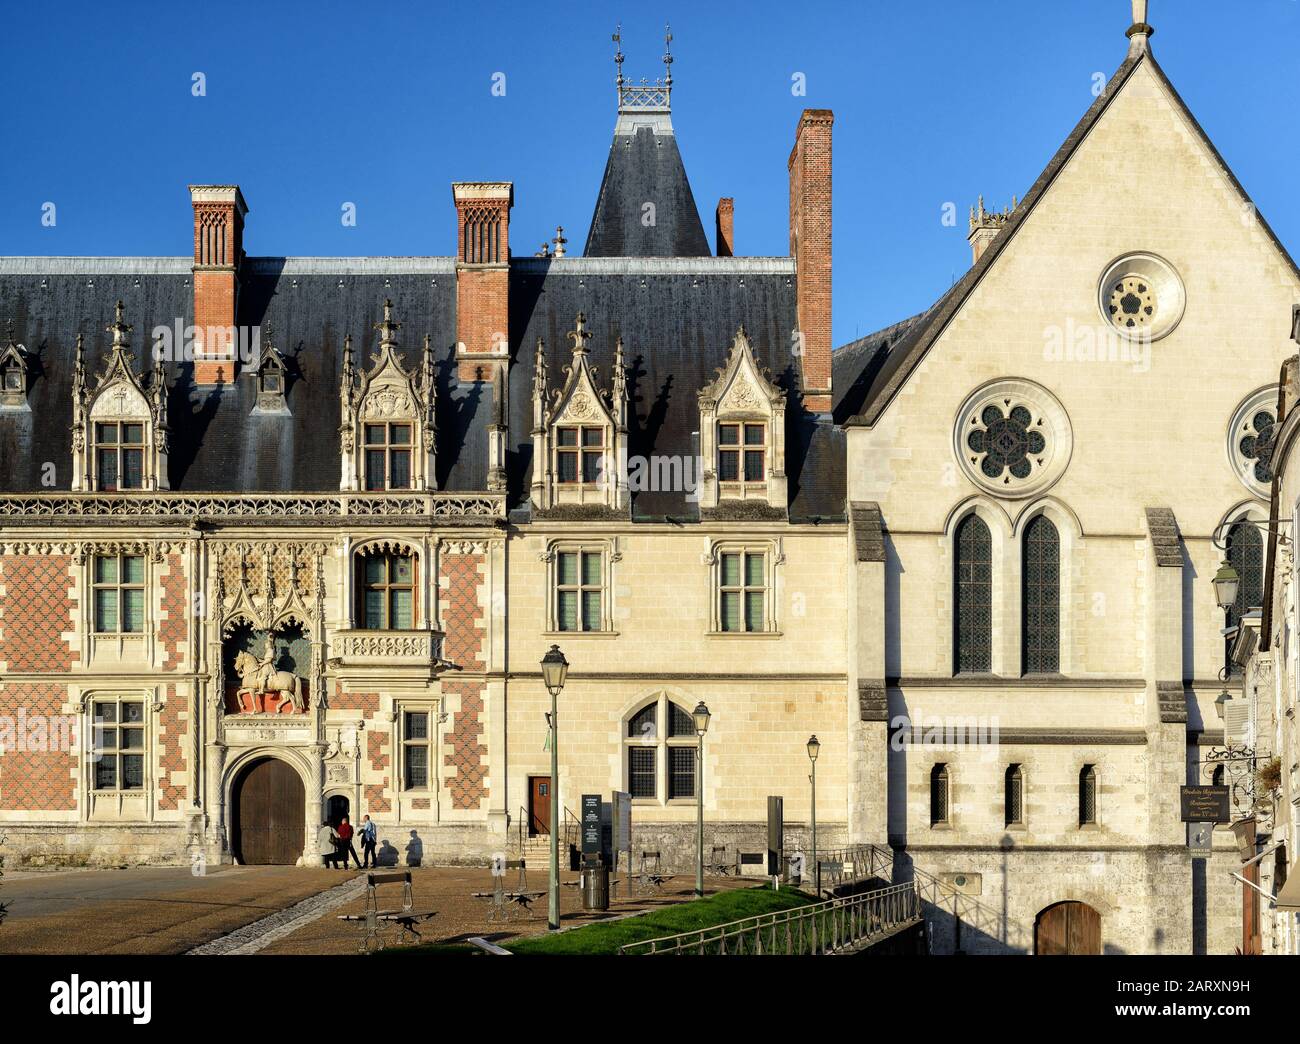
pixel 263 687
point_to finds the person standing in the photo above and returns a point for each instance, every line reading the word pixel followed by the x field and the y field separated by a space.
pixel 346 847
pixel 369 835
pixel 327 844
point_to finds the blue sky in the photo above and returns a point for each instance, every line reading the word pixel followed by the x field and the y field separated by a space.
pixel 383 105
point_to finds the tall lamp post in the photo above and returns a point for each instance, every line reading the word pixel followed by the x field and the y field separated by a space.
pixel 814 748
pixel 555 668
pixel 701 716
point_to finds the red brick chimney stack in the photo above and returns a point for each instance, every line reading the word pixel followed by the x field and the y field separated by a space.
pixel 726 216
pixel 218 252
pixel 482 276
pixel 810 246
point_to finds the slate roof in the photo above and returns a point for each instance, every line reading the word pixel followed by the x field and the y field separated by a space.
pixel 876 367
pixel 677 318
pixel 645 166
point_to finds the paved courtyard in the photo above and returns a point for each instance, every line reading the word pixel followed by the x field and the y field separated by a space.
pixel 167 910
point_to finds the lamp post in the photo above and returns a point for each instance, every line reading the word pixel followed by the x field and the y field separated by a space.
pixel 814 748
pixel 555 669
pixel 701 716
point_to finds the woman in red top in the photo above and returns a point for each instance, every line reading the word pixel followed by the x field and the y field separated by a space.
pixel 346 847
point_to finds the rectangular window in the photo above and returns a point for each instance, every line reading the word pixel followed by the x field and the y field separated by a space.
pixel 641 772
pixel 119 456
pixel 416 751
pixel 117 744
pixel 388 456
pixel 578 591
pixel 742 452
pixel 728 452
pixel 681 772
pixel 387 592
pixel 743 591
pixel 579 452
pixel 118 598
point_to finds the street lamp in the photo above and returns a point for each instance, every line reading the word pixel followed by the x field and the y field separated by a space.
pixel 814 748
pixel 701 715
pixel 555 668
pixel 1226 584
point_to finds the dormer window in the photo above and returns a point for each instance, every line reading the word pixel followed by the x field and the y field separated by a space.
pixel 742 435
pixel 13 374
pixel 578 453
pixel 388 430
pixel 119 456
pixel 580 433
pixel 270 381
pixel 388 456
pixel 742 453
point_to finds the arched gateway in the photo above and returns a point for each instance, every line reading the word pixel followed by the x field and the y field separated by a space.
pixel 1067 928
pixel 267 808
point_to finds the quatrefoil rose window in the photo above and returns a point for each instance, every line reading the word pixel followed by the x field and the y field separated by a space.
pixel 1009 442
pixel 1012 438
pixel 1250 440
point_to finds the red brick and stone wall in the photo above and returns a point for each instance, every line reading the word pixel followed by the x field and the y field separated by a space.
pixel 38 767
pixel 464 620
pixel 37 610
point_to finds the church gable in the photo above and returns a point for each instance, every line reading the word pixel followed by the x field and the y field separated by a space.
pixel 1112 297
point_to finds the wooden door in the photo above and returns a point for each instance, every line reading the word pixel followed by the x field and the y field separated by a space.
pixel 1068 928
pixel 269 806
pixel 539 805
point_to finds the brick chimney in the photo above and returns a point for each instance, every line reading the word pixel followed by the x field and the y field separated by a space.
pixel 726 216
pixel 218 251
pixel 482 276
pixel 986 225
pixel 810 246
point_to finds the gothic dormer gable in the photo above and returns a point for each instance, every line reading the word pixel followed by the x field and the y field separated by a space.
pixel 580 432
pixel 15 375
pixel 742 432
pixel 388 431
pixel 120 437
pixel 271 378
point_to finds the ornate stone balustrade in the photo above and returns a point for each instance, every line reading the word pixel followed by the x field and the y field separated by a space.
pixel 188 508
pixel 416 655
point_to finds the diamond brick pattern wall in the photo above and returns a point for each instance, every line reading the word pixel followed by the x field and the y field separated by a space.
pixel 172 621
pixel 173 745
pixel 36 610
pixel 463 619
pixel 32 779
pixel 462 614
pixel 380 761
pixel 365 702
pixel 468 750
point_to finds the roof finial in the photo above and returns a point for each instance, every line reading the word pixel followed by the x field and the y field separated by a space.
pixel 119 329
pixel 618 52
pixel 668 55
pixel 1140 31
pixel 559 241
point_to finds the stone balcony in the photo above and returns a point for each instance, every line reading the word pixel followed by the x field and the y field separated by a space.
pixel 412 656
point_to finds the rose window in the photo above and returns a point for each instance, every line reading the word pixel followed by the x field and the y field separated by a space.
pixel 1010 442
pixel 1256 444
pixel 1132 302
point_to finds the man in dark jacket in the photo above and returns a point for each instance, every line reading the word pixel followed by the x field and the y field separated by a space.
pixel 346 847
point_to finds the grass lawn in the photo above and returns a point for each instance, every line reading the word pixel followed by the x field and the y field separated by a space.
pixel 606 938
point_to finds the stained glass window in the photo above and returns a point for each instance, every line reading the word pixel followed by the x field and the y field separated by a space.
pixel 1015 795
pixel 1008 441
pixel 1257 444
pixel 1246 556
pixel 1042 597
pixel 939 794
pixel 974 597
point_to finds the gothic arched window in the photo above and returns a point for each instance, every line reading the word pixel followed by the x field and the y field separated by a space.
pixel 939 781
pixel 1087 795
pixel 1042 597
pixel 1246 556
pixel 973 597
pixel 1015 795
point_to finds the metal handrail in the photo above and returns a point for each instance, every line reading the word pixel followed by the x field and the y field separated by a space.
pixel 820 928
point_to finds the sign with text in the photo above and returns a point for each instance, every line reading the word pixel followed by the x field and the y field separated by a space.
pixel 591 824
pixel 1206 805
